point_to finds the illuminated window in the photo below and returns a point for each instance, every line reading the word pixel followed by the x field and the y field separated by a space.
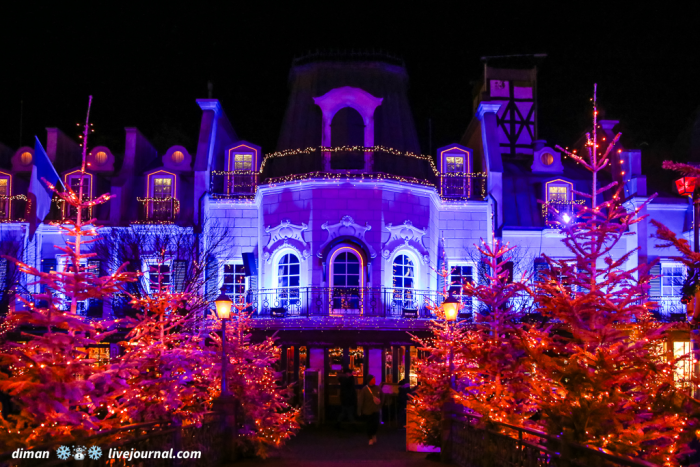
pixel 403 276
pixel 547 158
pixel 288 270
pixel 684 369
pixel 4 197
pixel 243 162
pixel 454 164
pixel 26 158
pixel 346 270
pixel 178 157
pixel 672 277
pixel 101 157
pixel 163 192
pixel 234 282
pixel 557 194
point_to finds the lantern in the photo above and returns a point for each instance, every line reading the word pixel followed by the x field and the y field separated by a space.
pixel 223 305
pixel 685 186
pixel 450 307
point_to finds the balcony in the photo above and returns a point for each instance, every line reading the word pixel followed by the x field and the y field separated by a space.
pixel 12 208
pixel 158 210
pixel 234 184
pixel 668 309
pixel 462 186
pixel 343 302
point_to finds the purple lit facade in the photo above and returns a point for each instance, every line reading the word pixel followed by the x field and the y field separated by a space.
pixel 346 242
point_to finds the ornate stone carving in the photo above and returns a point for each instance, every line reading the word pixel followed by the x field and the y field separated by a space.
pixel 346 227
pixel 286 235
pixel 406 235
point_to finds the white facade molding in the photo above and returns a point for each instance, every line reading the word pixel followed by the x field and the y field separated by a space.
pixel 286 235
pixel 346 227
pixel 405 236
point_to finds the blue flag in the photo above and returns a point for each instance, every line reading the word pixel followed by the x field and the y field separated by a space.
pixel 39 193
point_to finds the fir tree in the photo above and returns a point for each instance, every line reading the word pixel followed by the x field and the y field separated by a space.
pixel 604 381
pixel 59 391
pixel 267 420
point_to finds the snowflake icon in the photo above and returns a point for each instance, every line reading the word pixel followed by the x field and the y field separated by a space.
pixel 63 453
pixel 94 452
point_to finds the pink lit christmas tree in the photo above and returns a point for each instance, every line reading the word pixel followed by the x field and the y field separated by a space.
pixel 607 382
pixel 267 420
pixel 60 392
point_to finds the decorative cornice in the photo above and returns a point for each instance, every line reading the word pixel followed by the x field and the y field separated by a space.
pixel 405 235
pixel 346 227
pixel 286 235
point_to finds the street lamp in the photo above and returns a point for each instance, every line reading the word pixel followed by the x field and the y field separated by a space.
pixel 223 311
pixel 451 308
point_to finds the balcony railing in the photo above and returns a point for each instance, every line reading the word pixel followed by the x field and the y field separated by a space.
pixel 463 186
pixel 12 208
pixel 342 302
pixel 158 210
pixel 668 308
pixel 234 183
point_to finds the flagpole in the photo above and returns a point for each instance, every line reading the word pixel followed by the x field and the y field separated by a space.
pixel 78 221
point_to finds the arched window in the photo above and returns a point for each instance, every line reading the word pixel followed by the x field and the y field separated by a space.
pixel 347 129
pixel 288 280
pixel 403 275
pixel 346 281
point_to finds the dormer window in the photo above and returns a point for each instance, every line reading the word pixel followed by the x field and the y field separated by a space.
pixel 455 171
pixel 559 191
pixel 73 180
pixel 5 194
pixel 242 164
pixel 161 202
pixel 559 208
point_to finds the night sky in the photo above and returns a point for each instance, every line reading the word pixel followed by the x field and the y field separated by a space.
pixel 146 65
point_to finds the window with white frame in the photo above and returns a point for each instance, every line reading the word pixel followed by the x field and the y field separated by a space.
pixel 403 280
pixel 459 276
pixel 235 282
pixel 346 268
pixel 559 191
pixel 159 275
pixel 672 278
pixel 288 273
pixel 63 264
pixel 243 180
pixel 684 370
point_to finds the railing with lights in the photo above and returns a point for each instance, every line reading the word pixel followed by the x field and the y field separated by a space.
pixel 667 308
pixel 234 183
pixel 374 302
pixel 505 444
pixel 158 210
pixel 557 213
pixel 13 208
pixel 463 186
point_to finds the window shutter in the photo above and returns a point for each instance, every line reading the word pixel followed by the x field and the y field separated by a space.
pixel 440 279
pixel 212 280
pixel 655 283
pixel 4 286
pixel 179 273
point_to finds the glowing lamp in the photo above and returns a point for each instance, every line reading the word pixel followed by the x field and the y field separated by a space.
pixel 223 305
pixel 450 307
pixel 685 186
pixel 566 218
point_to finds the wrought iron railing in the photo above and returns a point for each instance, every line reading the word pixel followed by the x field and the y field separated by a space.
pixel 668 308
pixel 463 186
pixel 509 445
pixel 233 183
pixel 344 302
pixel 158 210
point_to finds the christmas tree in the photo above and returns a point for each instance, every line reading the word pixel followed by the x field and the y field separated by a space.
pixel 170 369
pixel 435 373
pixel 266 418
pixel 495 370
pixel 602 376
pixel 61 392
